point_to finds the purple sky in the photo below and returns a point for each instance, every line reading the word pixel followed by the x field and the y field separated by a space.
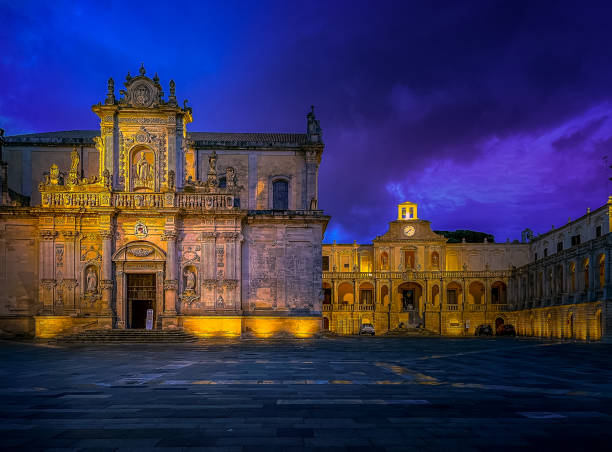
pixel 493 116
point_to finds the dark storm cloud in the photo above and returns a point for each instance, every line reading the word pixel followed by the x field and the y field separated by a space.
pixel 491 115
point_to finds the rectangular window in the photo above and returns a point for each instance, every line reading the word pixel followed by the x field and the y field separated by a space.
pixel 280 195
pixel 403 212
pixel 576 240
pixel 325 263
pixel 545 252
pixel 536 256
pixel 451 296
pixel 598 231
pixel 559 247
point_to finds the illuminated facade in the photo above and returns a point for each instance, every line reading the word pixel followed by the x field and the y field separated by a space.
pixel 553 285
pixel 217 233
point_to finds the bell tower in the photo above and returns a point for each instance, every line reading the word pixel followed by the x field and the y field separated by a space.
pixel 142 139
pixel 407 211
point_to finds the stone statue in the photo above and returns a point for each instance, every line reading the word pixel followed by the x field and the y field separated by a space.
pixel 92 280
pixel 73 174
pixel 143 169
pixel 172 88
pixel 54 175
pixel 313 126
pixel 74 160
pixel 212 181
pixel 435 260
pixel 189 280
pixel 212 162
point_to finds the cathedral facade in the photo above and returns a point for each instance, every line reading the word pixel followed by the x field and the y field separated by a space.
pixel 216 233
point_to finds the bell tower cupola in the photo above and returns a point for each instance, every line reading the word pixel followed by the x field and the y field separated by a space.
pixel 407 211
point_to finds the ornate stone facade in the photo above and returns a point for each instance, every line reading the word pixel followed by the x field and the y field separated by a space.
pixel 147 216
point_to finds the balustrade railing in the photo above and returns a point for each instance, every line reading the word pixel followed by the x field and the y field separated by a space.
pixel 452 307
pixel 429 275
pixel 135 200
pixel 499 307
pixel 477 307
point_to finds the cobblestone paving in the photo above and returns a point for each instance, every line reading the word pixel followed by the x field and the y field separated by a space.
pixel 338 394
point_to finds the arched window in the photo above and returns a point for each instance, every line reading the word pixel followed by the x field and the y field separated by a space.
pixel 280 195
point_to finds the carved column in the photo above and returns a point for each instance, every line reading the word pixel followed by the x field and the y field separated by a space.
pixel 106 282
pixel 121 312
pixel 171 282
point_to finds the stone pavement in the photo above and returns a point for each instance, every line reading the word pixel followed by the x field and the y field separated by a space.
pixel 335 393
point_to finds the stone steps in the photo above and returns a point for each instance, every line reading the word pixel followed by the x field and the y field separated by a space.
pixel 132 336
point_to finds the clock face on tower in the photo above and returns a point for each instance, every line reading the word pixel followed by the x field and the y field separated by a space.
pixel 409 231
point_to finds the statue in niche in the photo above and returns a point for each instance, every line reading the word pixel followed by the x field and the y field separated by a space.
pixel 92 280
pixel 143 171
pixel 189 281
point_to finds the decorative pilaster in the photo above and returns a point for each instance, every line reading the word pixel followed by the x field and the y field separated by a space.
pixel 106 282
pixel 171 282
pixel 70 277
pixel 47 271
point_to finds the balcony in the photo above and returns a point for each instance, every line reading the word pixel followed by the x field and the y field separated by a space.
pixel 499 307
pixel 327 307
pixel 452 307
pixel 477 307
pixel 365 307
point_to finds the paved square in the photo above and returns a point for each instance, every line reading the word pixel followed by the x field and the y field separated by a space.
pixel 338 393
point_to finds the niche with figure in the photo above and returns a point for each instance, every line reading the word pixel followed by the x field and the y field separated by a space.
pixel 91 279
pixel 190 278
pixel 143 169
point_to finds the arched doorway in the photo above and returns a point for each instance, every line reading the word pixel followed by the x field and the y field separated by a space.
pixel 570 325
pixel 345 293
pixel 325 323
pixel 476 292
pixel 139 278
pixel 409 296
pixel 498 292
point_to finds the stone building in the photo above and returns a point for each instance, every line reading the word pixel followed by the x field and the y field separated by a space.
pixel 565 289
pixel 553 285
pixel 217 233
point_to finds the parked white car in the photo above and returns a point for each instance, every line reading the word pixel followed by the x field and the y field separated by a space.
pixel 367 328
